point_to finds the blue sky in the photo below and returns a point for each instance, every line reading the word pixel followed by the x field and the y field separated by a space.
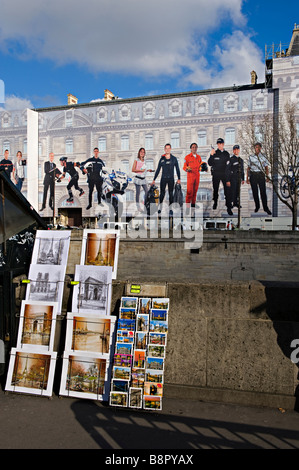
pixel 133 47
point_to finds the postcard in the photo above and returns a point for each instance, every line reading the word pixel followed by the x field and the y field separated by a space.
pixel 37 325
pixel 124 324
pixel 93 289
pixel 155 389
pixel 46 283
pixel 123 360
pixel 119 385
pixel 145 305
pixel 155 376
pixel 160 303
pixel 89 334
pixel 135 397
pixel 139 358
pixel 100 248
pixel 142 322
pixel 30 372
pixel 158 314
pixel 156 363
pixel 84 377
pixel 123 373
pixel 118 399
pixel 151 402
pixel 129 302
pixel 124 336
pixel 140 340
pixel 127 313
pixel 137 377
pixel 158 326
pixel 157 338
pixel 123 348
pixel 51 247
pixel 155 350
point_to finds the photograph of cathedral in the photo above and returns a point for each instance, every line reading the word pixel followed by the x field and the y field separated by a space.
pixel 46 283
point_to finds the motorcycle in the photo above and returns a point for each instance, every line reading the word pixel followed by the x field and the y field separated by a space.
pixel 113 189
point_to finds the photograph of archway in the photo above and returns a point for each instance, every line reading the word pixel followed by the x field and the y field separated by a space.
pixel 37 325
pixel 93 291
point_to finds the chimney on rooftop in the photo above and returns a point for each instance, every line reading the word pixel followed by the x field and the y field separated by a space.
pixel 71 99
pixel 109 95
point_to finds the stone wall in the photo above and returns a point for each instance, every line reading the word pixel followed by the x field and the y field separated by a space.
pixel 234 312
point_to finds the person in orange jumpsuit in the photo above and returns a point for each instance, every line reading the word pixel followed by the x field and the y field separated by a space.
pixel 192 166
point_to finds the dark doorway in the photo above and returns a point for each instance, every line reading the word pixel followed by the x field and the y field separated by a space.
pixel 74 217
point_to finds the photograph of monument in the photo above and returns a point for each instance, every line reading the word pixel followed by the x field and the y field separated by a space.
pixel 51 247
pixel 100 248
pixel 92 293
pixel 46 283
pixel 37 325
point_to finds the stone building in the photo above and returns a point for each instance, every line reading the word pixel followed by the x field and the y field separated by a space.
pixel 119 127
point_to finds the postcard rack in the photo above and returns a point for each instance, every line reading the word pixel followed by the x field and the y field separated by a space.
pixel 139 356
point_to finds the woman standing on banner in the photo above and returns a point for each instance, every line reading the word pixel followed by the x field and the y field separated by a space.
pixel 167 164
pixel 192 165
pixel 140 170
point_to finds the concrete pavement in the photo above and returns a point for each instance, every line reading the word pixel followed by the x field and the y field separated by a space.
pixel 31 422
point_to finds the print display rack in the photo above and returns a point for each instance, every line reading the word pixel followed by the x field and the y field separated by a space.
pixel 90 327
pixel 139 356
pixel 32 362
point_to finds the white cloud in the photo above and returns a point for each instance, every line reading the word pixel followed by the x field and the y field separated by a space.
pixel 151 39
pixel 14 103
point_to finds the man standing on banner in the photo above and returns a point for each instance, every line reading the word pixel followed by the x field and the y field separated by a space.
pixel 94 175
pixel 192 165
pixel 236 175
pixel 257 173
pixel 49 181
pixel 6 164
pixel 167 164
pixel 219 161
pixel 69 167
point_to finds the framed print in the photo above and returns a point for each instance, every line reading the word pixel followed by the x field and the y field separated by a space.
pixel 145 305
pixel 124 348
pixel 140 340
pixel 37 325
pixel 51 247
pixel 139 358
pixel 160 303
pixel 156 363
pixel 30 372
pixel 93 291
pixel 127 325
pixel 137 377
pixel 155 350
pixel 124 336
pixel 158 326
pixel 129 302
pixel 118 399
pixel 151 402
pixel 159 314
pixel 155 376
pixel 100 248
pixel 157 338
pixel 123 373
pixel 84 377
pixel 119 385
pixel 123 360
pixel 135 397
pixel 89 334
pixel 46 283
pixel 127 313
pixel 142 322
pixel 155 389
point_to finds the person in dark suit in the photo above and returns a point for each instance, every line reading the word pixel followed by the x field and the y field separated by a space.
pixel 6 164
pixel 49 181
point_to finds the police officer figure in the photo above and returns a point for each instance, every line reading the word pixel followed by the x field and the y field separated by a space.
pixel 69 167
pixel 219 162
pixel 236 175
pixel 94 177
pixel 256 171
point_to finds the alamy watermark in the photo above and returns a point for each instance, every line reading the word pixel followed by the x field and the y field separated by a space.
pixel 2 352
pixel 295 353
pixel 2 94
pixel 172 221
